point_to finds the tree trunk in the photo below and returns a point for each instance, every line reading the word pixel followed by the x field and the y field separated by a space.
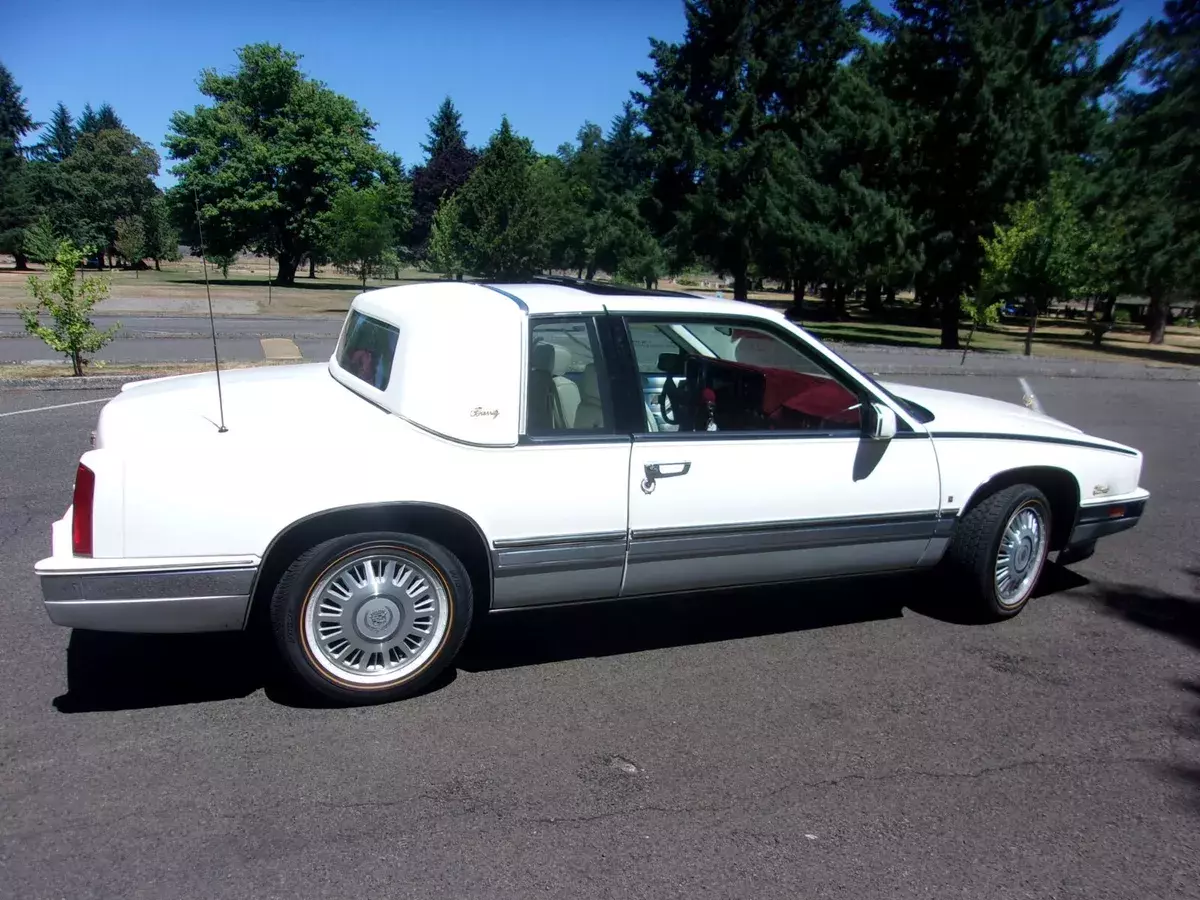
pixel 363 272
pixel 741 285
pixel 928 301
pixel 874 298
pixel 20 262
pixel 827 299
pixel 590 273
pixel 285 274
pixel 951 307
pixel 157 267
pixel 839 301
pixel 76 364
pixel 798 297
pixel 1031 312
pixel 785 286
pixel 890 299
pixel 458 276
pixel 312 268
pixel 1156 317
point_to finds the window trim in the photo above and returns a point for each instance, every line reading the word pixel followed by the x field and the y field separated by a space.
pixel 835 372
pixel 608 433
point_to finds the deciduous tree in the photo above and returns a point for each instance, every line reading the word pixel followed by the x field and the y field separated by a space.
pixel 267 156
pixel 68 303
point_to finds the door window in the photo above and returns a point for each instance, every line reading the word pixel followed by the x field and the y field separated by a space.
pixel 725 375
pixel 567 390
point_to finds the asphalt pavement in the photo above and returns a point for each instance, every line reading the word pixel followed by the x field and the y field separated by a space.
pixel 854 740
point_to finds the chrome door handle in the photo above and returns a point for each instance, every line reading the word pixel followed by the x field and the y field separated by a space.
pixel 654 471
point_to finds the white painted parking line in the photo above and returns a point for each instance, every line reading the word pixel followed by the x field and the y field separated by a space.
pixel 1030 397
pixel 21 412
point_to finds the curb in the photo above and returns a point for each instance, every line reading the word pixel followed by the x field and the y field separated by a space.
pixel 71 383
pixel 1147 374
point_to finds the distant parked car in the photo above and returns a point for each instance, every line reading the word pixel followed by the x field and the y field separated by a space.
pixel 480 447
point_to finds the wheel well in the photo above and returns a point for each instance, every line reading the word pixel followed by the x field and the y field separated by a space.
pixel 452 529
pixel 1059 486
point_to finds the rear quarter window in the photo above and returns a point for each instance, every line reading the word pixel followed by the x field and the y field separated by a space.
pixel 367 349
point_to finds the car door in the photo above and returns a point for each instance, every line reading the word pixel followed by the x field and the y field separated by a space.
pixel 570 469
pixel 751 466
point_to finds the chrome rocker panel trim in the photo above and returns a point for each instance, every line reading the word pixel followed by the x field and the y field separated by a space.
pixel 162 601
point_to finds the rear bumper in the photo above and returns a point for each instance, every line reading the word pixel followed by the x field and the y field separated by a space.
pixel 1100 520
pixel 144 595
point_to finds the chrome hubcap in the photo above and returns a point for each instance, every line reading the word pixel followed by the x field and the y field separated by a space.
pixel 1022 552
pixel 377 617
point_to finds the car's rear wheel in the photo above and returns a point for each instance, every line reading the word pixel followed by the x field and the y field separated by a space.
pixel 999 549
pixel 370 618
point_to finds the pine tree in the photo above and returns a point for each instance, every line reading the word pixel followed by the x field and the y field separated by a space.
pixel 16 208
pixel 103 119
pixel 993 96
pixel 60 137
pixel 448 165
pixel 1157 161
pixel 502 227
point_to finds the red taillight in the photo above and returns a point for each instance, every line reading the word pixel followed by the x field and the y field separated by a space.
pixel 81 521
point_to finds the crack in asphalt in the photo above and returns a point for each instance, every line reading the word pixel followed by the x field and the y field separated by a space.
pixel 864 778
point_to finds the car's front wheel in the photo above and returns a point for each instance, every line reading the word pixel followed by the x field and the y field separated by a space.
pixel 999 549
pixel 370 618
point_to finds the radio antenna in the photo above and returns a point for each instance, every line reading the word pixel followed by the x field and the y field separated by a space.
pixel 221 429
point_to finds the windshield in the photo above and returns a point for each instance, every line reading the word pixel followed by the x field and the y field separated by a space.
pixel 367 348
pixel 918 412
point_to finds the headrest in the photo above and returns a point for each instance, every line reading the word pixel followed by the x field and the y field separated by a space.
pixel 589 385
pixel 551 358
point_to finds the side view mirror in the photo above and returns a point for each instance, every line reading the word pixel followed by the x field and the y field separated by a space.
pixel 879 422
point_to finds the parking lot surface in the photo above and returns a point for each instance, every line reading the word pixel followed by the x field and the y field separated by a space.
pixel 833 740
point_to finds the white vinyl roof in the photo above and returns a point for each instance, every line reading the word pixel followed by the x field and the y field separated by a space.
pixel 546 299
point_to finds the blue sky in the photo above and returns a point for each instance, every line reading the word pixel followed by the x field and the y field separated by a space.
pixel 547 64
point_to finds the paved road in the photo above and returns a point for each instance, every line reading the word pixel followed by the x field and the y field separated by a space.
pixel 831 741
pixel 174 338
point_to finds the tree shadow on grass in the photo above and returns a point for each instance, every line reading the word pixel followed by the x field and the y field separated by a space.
pixel 1147 354
pixel 301 283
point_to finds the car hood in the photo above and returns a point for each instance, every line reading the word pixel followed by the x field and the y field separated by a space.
pixel 967 413
pixel 275 400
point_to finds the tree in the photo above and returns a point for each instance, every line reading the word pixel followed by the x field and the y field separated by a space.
pixel 109 176
pixel 444 240
pixel 993 96
pixel 16 211
pixel 69 305
pixel 449 163
pixel 734 114
pixel 162 240
pixel 502 229
pixel 359 230
pixel 39 242
pixel 1157 161
pixel 60 137
pixel 267 157
pixel 130 242
pixel 103 119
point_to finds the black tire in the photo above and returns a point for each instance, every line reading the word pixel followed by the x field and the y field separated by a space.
pixel 294 592
pixel 971 558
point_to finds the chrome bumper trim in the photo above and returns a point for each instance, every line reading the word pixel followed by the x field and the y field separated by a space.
pixel 180 600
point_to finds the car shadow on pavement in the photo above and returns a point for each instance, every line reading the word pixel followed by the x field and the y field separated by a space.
pixel 527 637
pixel 1176 616
pixel 108 671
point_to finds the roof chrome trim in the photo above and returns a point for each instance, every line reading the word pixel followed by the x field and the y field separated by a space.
pixel 513 297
